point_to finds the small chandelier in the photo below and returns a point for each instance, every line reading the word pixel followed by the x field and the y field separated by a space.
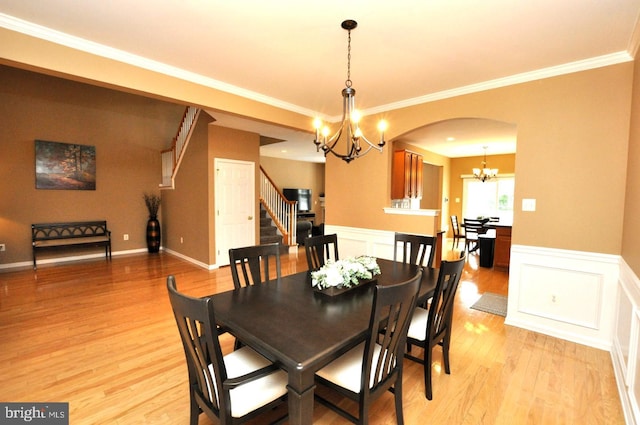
pixel 350 119
pixel 483 174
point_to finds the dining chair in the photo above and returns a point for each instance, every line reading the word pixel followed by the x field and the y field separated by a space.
pixel 233 388
pixel 250 265
pixel 374 366
pixel 415 248
pixel 432 327
pixel 472 229
pixel 321 248
pixel 457 232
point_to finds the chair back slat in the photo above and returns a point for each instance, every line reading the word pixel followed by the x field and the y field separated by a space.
pixel 473 228
pixel 319 249
pixel 196 324
pixel 392 307
pixel 441 309
pixel 455 226
pixel 415 249
pixel 253 264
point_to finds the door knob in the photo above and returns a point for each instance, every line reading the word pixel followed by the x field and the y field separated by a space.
pixel 250 217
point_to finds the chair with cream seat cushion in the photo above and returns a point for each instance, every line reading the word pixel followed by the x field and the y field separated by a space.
pixel 232 388
pixel 375 366
pixel 432 327
pixel 472 229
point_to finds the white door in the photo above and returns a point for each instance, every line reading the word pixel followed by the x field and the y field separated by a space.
pixel 235 206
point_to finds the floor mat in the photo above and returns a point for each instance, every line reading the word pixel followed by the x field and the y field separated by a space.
pixel 492 303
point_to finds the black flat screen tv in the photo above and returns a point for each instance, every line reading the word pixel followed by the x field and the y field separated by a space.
pixel 303 196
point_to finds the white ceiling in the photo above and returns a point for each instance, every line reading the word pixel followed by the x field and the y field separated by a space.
pixel 292 53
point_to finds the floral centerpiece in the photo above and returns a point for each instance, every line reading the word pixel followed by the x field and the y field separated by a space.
pixel 345 273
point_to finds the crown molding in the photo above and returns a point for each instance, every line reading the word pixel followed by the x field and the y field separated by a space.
pixel 554 71
pixel 634 42
pixel 77 43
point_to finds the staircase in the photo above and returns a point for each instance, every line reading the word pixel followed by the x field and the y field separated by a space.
pixel 268 231
pixel 281 211
pixel 172 157
pixel 278 219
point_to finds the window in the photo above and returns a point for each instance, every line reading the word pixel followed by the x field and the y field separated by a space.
pixel 493 198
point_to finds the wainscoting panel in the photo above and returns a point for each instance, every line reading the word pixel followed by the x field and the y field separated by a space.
pixel 566 294
pixel 356 241
pixel 625 353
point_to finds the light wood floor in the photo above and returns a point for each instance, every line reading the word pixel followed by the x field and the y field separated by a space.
pixel 101 336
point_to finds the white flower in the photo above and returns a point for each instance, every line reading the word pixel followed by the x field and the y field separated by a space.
pixel 345 273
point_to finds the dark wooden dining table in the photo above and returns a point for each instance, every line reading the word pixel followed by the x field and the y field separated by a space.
pixel 303 330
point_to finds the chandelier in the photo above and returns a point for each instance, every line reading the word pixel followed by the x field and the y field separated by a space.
pixel 350 118
pixel 483 174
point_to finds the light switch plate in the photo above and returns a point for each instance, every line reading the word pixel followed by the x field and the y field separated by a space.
pixel 528 205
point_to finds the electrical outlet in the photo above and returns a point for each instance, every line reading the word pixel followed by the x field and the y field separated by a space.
pixel 126 237
pixel 2 247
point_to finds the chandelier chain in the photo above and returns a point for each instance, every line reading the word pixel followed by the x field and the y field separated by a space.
pixel 348 81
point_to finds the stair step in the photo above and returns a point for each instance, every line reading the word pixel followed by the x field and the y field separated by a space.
pixel 268 231
pixel 265 222
pixel 270 239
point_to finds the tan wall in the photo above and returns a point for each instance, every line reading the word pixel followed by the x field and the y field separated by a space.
pixel 631 234
pixel 297 174
pixel 573 134
pixel 32 53
pixel 127 131
pixel 186 209
pixel 431 187
pixel 571 157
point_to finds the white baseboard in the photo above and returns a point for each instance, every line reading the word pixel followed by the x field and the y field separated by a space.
pixel 191 260
pixel 67 259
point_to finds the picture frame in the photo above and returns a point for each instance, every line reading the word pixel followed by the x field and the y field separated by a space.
pixel 65 166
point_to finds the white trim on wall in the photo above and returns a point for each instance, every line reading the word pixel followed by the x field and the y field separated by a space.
pixel 565 294
pixel 625 352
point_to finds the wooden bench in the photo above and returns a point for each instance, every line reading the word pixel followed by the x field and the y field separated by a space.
pixel 67 235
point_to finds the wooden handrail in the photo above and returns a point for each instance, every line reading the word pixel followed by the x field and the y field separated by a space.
pixel 172 156
pixel 282 211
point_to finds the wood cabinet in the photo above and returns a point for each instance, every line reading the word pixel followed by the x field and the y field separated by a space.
pixel 406 176
pixel 502 249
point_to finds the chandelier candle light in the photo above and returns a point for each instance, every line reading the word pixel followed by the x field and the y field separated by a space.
pixel 485 173
pixel 350 119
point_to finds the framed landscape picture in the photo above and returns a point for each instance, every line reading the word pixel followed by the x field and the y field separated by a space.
pixel 65 166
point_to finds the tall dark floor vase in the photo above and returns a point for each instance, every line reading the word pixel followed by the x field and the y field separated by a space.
pixel 153 235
